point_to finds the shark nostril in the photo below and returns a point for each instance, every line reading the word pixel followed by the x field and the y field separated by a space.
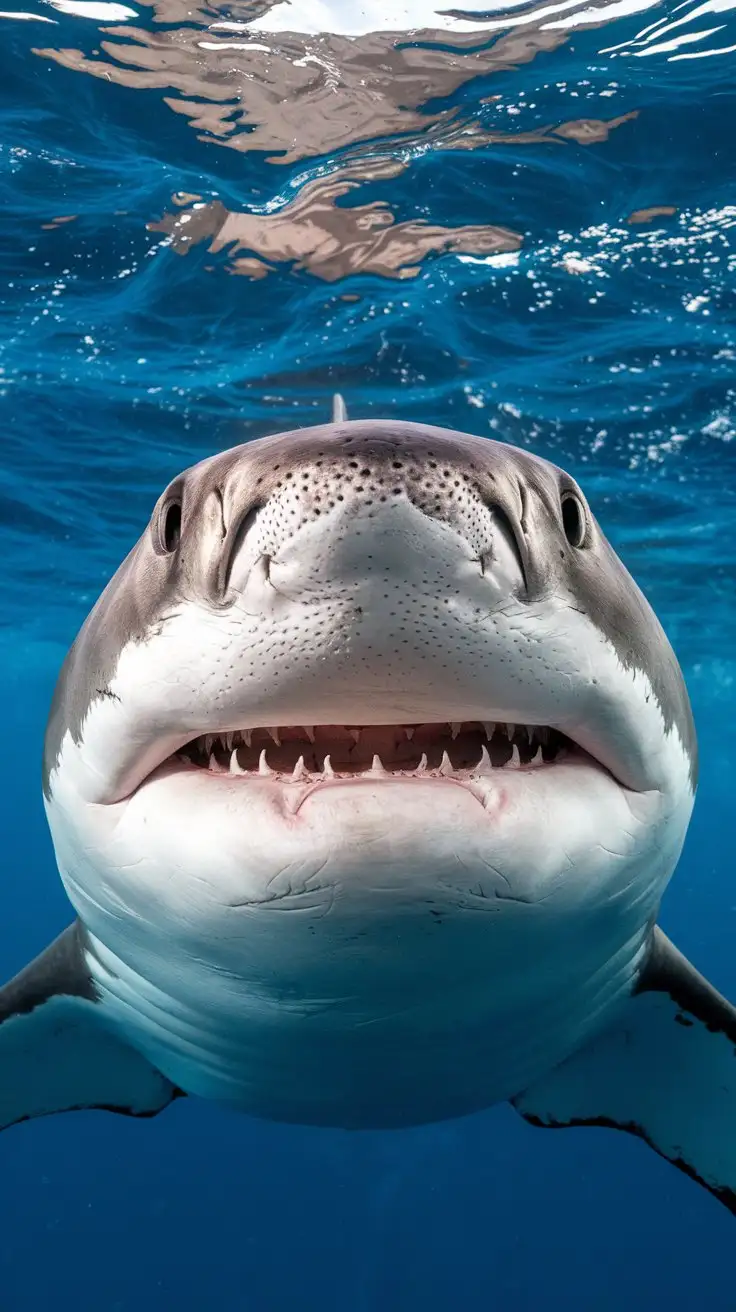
pixel 234 548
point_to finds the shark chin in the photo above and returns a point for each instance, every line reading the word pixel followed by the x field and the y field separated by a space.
pixel 366 776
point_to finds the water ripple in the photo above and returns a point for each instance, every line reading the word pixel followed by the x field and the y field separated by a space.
pixel 517 220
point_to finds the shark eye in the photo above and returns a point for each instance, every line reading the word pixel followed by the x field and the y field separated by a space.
pixel 166 526
pixel 171 526
pixel 167 519
pixel 574 520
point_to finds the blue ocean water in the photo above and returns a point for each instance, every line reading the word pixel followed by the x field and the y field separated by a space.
pixel 518 221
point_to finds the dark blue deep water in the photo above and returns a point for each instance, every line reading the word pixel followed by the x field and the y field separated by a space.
pixel 520 222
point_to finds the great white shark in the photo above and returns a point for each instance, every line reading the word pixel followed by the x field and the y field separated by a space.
pixel 365 776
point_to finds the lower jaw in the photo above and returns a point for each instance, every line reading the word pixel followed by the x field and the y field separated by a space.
pixel 254 841
pixel 240 842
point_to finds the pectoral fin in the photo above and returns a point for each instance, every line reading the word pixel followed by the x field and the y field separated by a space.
pixel 57 1054
pixel 665 1071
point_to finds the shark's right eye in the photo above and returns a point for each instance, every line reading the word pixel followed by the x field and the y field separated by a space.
pixel 574 520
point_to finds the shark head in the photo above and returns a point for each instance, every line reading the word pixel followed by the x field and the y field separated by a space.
pixel 369 667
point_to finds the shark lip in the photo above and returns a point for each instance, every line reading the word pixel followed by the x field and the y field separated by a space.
pixel 303 754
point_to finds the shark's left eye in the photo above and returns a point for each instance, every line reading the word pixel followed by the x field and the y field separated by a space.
pixel 167 531
pixel 167 518
pixel 172 526
pixel 574 519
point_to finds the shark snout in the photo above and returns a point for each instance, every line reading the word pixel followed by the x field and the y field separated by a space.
pixel 368 533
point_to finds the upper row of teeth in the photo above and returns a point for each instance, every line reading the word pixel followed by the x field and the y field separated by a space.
pixel 226 741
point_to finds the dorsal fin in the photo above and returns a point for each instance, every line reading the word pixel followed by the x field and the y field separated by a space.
pixel 339 409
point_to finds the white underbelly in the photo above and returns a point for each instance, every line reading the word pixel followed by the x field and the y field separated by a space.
pixel 387 956
pixel 339 1014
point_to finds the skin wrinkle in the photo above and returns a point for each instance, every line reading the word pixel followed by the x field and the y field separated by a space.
pixel 308 889
pixel 495 871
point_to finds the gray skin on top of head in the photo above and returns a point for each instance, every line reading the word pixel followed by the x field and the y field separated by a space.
pixel 230 488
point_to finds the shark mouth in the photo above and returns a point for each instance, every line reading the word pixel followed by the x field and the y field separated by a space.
pixel 347 751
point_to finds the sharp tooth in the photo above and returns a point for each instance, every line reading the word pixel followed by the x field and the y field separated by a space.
pixel 446 766
pixel 309 731
pixel 537 759
pixel 355 735
pixel 421 768
pixel 246 735
pixel 409 733
pixel 515 761
pixel 235 766
pixel 275 735
pixel 300 771
pixel 209 739
pixel 263 766
pixel 229 738
pixel 455 729
pixel 484 765
pixel 489 728
pixel 327 768
pixel 213 763
pixel 377 766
